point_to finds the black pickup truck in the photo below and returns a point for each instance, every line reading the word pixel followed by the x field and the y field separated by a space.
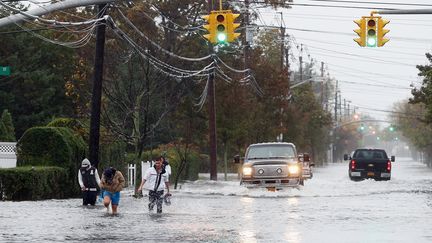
pixel 369 163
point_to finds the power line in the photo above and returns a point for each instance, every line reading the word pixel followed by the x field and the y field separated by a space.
pixel 378 3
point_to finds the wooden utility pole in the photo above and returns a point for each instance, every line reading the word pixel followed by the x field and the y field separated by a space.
pixel 97 89
pixel 245 39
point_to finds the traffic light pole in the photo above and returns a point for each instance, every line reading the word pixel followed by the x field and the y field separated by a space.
pixel 212 116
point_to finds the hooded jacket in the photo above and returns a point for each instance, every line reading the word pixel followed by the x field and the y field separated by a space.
pixel 115 185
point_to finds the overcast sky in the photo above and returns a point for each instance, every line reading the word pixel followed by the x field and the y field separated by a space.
pixel 374 84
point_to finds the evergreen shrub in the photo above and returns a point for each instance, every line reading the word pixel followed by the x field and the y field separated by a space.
pixel 53 146
pixel 34 183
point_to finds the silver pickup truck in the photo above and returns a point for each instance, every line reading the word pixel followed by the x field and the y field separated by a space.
pixel 272 165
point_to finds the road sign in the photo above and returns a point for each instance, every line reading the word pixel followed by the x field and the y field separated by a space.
pixel 4 71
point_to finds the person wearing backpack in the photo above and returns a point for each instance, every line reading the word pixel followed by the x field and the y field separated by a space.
pixel 89 180
pixel 155 180
pixel 112 183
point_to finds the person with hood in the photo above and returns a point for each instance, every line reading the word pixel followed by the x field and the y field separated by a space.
pixel 89 180
pixel 156 181
pixel 166 165
pixel 112 183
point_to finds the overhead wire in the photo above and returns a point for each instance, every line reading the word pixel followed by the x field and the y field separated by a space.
pixel 196 59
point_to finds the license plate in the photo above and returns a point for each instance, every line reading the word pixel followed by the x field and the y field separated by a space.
pixel 355 174
pixel 370 174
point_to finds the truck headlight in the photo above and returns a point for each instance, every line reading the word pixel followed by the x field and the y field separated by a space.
pixel 293 169
pixel 247 171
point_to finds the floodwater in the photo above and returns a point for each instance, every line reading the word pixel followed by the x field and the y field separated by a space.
pixel 329 208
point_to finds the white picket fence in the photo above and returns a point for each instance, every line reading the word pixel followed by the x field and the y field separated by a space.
pixel 8 157
pixel 132 171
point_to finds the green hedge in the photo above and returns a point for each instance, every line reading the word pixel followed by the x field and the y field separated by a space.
pixel 34 183
pixel 50 146
pixel 53 146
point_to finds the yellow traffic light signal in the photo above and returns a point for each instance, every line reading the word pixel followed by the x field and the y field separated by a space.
pixel 221 26
pixel 361 32
pixel 231 17
pixel 382 31
pixel 371 31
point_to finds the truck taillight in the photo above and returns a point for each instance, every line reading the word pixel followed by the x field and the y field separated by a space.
pixel 388 165
pixel 353 164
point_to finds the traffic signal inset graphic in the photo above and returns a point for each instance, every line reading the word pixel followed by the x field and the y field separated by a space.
pixel 221 26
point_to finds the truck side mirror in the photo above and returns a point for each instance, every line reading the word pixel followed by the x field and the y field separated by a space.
pixel 346 157
pixel 392 158
pixel 237 159
pixel 301 157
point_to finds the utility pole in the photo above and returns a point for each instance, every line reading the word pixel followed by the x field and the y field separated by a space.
pixel 336 104
pixel 345 109
pixel 301 62
pixel 322 84
pixel 245 36
pixel 282 47
pixel 212 115
pixel 97 89
pixel 340 107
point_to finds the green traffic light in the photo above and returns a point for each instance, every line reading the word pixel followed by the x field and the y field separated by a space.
pixel 371 41
pixel 221 37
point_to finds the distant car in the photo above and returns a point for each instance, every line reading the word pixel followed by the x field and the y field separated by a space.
pixel 272 165
pixel 369 163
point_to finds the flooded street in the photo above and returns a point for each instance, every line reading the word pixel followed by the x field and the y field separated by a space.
pixel 329 208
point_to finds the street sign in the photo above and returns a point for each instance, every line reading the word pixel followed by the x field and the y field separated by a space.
pixel 4 71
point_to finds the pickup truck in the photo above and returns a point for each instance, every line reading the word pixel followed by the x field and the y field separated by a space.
pixel 272 165
pixel 369 163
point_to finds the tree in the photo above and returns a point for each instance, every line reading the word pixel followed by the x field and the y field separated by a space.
pixel 424 94
pixel 7 130
pixel 35 90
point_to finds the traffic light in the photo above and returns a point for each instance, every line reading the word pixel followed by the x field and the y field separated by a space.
pixel 391 128
pixel 382 31
pixel 221 26
pixel 371 31
pixel 362 127
pixel 361 32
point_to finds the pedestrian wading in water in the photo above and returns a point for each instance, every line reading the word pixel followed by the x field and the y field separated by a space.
pixel 89 180
pixel 112 183
pixel 155 180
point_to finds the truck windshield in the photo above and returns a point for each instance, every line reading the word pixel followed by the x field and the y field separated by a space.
pixel 270 151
